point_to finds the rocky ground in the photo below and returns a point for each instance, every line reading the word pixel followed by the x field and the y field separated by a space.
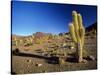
pixel 35 59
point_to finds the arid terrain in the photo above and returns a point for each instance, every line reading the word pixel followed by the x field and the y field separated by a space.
pixel 44 52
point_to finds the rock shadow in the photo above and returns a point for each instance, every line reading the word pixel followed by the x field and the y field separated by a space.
pixel 50 60
pixel 71 58
pixel 18 53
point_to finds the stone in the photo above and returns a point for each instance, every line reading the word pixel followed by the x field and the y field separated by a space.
pixel 64 44
pixel 91 57
pixel 29 60
pixel 61 60
pixel 28 65
pixel 38 65
pixel 84 61
pixel 71 47
pixel 16 51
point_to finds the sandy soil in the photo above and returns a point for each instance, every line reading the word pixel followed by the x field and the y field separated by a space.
pixel 27 59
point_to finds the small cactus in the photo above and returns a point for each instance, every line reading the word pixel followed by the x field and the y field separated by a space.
pixel 16 41
pixel 77 32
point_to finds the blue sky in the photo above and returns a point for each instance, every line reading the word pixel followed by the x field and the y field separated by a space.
pixel 32 17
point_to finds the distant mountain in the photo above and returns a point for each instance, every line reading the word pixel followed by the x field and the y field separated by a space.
pixel 36 35
pixel 39 34
pixel 91 27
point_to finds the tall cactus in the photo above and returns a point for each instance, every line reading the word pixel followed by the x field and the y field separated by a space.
pixel 77 32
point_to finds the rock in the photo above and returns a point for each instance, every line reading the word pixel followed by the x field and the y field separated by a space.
pixel 91 57
pixel 38 65
pixel 45 54
pixel 84 61
pixel 29 60
pixel 28 65
pixel 71 47
pixel 16 51
pixel 61 60
pixel 64 44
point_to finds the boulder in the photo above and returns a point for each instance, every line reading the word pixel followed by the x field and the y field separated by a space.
pixel 84 61
pixel 29 60
pixel 38 65
pixel 71 47
pixel 91 57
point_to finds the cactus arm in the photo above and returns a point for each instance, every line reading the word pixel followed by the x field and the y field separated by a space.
pixel 80 23
pixel 82 31
pixel 75 23
pixel 81 28
pixel 72 32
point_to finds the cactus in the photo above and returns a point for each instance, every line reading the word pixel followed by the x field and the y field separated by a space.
pixel 16 41
pixel 77 32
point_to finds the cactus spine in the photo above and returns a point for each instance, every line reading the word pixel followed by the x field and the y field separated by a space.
pixel 77 32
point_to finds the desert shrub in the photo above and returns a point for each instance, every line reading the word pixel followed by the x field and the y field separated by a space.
pixel 28 44
pixel 38 41
pixel 50 36
pixel 41 40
